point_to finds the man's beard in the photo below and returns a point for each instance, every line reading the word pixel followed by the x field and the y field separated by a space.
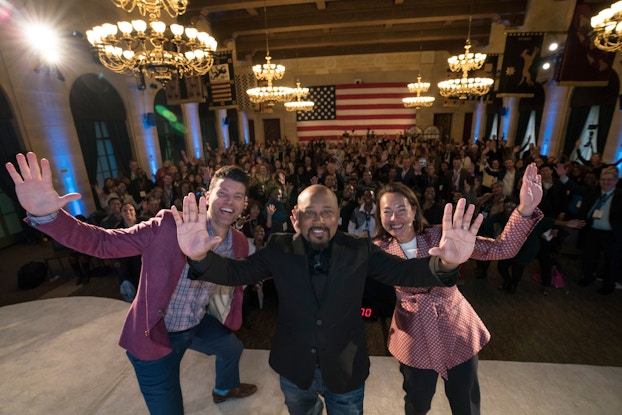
pixel 319 246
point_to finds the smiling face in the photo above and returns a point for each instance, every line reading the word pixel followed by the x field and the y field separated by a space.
pixel 226 202
pixel 397 216
pixel 318 215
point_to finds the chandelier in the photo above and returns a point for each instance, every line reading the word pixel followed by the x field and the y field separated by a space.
pixel 418 101
pixel 466 62
pixel 298 105
pixel 174 8
pixel 269 72
pixel 153 49
pixel 607 33
pixel 465 87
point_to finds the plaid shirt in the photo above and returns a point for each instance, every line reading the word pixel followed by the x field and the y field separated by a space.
pixel 189 301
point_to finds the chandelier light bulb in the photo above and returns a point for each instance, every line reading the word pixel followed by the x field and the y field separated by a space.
pixel 607 28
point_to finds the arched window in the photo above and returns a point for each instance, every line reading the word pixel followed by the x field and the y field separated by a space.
pixel 100 119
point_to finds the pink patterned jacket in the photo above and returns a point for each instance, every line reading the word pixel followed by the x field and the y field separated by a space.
pixel 436 328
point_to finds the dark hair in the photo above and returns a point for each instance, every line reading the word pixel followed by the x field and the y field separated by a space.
pixel 419 222
pixel 233 173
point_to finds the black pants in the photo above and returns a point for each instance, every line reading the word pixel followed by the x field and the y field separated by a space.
pixel 599 242
pixel 461 388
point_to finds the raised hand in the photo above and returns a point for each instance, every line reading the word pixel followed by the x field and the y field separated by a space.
pixel 34 186
pixel 530 191
pixel 458 238
pixel 192 236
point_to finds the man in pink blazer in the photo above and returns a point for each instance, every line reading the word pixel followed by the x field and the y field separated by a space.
pixel 168 314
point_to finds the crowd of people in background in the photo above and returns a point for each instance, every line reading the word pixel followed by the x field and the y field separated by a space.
pixel 487 173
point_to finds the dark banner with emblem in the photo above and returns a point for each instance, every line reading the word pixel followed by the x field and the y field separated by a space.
pixel 222 82
pixel 520 64
pixel 583 64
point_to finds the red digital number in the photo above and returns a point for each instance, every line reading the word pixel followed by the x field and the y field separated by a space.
pixel 366 312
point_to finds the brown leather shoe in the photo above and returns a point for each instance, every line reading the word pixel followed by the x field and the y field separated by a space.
pixel 242 391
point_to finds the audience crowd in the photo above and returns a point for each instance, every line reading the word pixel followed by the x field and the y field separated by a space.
pixel 488 173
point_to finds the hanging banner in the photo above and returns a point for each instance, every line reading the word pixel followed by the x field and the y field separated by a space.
pixel 583 64
pixel 222 82
pixel 520 64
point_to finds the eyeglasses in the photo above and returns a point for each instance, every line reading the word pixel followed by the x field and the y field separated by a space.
pixel 324 214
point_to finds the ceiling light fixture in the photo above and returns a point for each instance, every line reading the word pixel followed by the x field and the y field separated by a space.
pixel 269 72
pixel 299 94
pixel 607 33
pixel 420 100
pixel 153 49
pixel 152 8
pixel 465 86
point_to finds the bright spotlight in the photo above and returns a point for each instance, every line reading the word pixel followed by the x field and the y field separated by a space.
pixel 546 66
pixel 553 46
pixel 44 41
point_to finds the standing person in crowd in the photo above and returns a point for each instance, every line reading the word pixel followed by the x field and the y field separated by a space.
pixel 168 315
pixel 129 267
pixel 454 179
pixel 602 211
pixel 319 347
pixel 436 331
pixel 347 204
pixel 432 211
pixel 362 221
pixel 141 186
pixel 489 205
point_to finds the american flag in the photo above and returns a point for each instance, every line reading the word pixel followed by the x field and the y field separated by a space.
pixel 340 108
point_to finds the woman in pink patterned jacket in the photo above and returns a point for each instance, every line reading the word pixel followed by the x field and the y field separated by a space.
pixel 435 330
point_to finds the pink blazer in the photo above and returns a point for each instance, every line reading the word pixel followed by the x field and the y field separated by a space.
pixel 436 328
pixel 144 333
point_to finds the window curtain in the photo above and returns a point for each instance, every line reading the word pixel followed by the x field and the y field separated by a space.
pixel 121 145
pixel 492 110
pixel 234 133
pixel 207 120
pixel 525 106
pixel 9 148
pixel 605 116
pixel 88 145
pixel 578 117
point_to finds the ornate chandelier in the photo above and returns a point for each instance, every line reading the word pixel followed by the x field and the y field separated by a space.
pixel 269 72
pixel 298 105
pixel 418 101
pixel 174 8
pixel 153 49
pixel 466 62
pixel 465 87
pixel 607 33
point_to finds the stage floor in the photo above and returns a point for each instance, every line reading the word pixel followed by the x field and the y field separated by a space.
pixel 60 356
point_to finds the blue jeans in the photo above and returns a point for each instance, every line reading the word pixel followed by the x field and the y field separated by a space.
pixel 159 379
pixel 307 402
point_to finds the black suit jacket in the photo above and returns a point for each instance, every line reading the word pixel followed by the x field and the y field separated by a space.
pixel 615 213
pixel 331 331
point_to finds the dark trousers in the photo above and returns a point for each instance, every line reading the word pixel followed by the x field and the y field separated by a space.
pixel 461 388
pixel 599 242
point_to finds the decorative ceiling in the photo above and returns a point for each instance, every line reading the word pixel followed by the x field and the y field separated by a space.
pixel 305 28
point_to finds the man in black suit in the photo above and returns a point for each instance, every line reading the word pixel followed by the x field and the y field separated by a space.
pixel 602 210
pixel 319 345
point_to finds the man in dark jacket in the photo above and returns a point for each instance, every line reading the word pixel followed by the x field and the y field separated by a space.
pixel 319 345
